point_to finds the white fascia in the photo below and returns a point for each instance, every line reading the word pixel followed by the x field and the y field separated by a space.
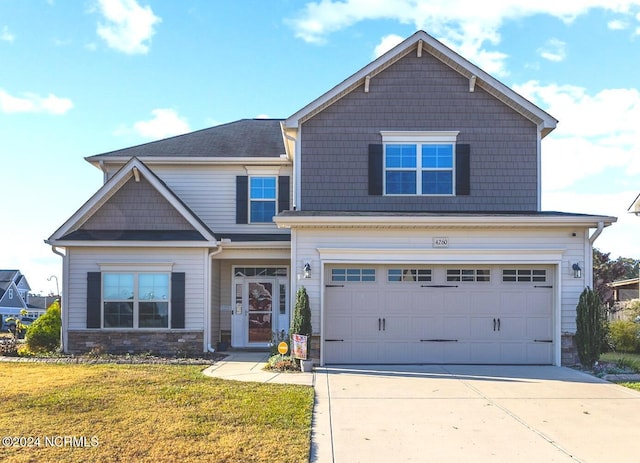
pixel 442 221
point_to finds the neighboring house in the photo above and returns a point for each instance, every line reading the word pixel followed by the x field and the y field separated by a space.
pixel 14 296
pixel 635 206
pixel 406 201
pixel 625 290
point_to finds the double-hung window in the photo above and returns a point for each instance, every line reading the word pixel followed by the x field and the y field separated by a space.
pixel 262 199
pixel 419 163
pixel 136 300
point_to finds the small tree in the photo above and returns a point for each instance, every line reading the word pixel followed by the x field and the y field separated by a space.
pixel 16 327
pixel 44 333
pixel 590 327
pixel 301 323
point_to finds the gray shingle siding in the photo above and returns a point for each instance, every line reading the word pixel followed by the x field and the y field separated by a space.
pixel 419 94
pixel 136 206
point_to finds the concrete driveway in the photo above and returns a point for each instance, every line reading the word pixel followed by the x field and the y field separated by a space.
pixel 466 414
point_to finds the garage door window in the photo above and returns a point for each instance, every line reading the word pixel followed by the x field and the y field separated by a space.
pixel 469 275
pixel 353 274
pixel 395 275
pixel 524 275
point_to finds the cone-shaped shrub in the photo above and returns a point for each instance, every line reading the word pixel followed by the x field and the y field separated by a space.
pixel 590 319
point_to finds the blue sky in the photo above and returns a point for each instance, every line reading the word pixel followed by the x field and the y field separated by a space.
pixel 78 78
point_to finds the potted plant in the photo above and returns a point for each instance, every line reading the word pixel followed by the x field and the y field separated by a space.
pixel 301 326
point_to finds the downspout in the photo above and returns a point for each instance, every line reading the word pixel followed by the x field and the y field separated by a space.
pixel 63 300
pixel 592 240
pixel 218 250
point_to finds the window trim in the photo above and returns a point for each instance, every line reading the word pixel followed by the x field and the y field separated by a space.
pixel 419 139
pixel 251 200
pixel 136 300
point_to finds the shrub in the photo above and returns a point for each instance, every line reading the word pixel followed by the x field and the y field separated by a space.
pixel 624 335
pixel 590 323
pixel 44 333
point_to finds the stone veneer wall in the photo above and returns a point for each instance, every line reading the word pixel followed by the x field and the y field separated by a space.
pixel 120 342
pixel 569 350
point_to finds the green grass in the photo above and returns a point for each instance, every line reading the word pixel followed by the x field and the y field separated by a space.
pixel 151 413
pixel 623 359
pixel 635 386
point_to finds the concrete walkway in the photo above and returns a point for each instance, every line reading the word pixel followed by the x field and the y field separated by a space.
pixel 458 413
pixel 249 366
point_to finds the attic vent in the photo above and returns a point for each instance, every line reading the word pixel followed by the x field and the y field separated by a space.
pixel 367 79
pixel 419 48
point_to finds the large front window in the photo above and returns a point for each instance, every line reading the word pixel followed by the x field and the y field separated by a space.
pixel 420 163
pixel 262 198
pixel 136 300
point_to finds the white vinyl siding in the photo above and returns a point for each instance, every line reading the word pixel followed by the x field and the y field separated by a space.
pixel 210 192
pixel 192 262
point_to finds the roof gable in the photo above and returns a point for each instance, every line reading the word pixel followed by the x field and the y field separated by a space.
pixel 421 43
pixel 133 205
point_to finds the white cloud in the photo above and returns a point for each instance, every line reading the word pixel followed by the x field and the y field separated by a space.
pixel 554 50
pixel 128 27
pixel 6 36
pixel 617 25
pixel 467 26
pixel 387 43
pixel 263 116
pixel 32 103
pixel 165 123
pixel 595 132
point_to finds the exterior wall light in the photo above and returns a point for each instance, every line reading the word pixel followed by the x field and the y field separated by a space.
pixel 577 271
pixel 306 273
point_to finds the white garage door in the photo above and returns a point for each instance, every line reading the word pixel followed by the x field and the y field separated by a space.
pixel 438 314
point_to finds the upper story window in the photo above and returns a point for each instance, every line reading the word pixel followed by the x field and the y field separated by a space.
pixel 419 163
pixel 262 199
pixel 261 195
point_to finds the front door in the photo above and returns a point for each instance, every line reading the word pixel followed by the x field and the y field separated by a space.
pixel 261 306
pixel 260 311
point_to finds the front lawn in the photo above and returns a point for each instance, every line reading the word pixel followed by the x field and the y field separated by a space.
pixel 148 413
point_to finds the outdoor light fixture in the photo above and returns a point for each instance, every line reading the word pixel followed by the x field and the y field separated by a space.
pixel 307 270
pixel 577 271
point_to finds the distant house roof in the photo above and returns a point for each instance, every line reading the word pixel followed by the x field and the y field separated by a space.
pixel 243 138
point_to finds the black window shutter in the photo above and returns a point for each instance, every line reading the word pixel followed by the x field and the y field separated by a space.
pixel 94 299
pixel 375 169
pixel 242 199
pixel 177 299
pixel 463 169
pixel 283 194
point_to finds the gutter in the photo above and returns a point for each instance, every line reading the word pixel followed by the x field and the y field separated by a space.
pixel 63 300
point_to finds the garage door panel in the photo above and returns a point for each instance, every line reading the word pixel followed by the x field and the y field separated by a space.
pixel 481 327
pixel 538 328
pixel 427 327
pixel 366 327
pixel 539 352
pixel 456 352
pixel 429 352
pixel 339 327
pixel 512 328
pixel 366 352
pixel 440 321
pixel 365 300
pixel 456 328
pixel 397 327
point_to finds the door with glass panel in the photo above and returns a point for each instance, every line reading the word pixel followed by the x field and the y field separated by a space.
pixel 261 306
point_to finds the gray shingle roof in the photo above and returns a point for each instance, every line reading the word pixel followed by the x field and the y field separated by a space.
pixel 243 138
